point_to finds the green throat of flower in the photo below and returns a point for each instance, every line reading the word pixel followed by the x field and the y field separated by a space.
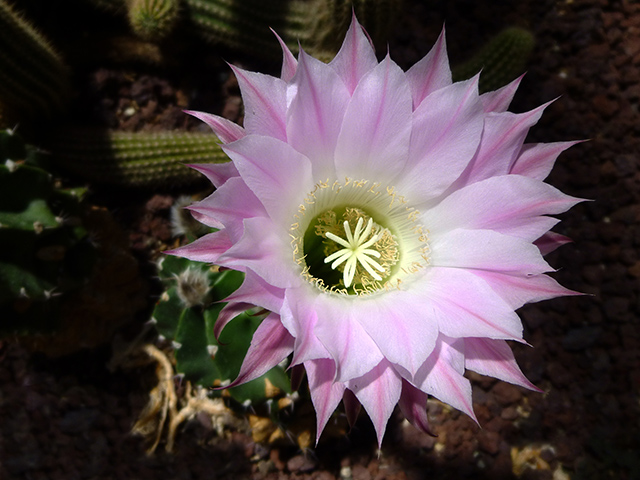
pixel 353 238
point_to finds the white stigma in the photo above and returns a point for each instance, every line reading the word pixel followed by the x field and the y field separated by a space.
pixel 355 251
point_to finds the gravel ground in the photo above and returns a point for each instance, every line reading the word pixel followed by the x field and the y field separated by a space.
pixel 70 418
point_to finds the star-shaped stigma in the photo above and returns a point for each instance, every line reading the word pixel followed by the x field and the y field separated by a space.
pixel 356 250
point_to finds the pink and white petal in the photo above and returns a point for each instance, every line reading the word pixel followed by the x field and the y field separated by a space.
pixel 413 404
pixel 277 174
pixel 548 242
pixel 270 345
pixel 499 100
pixel 509 204
pixel 254 291
pixel 319 98
pixel 431 73
pixel 289 62
pixel 205 249
pixel 443 140
pixel 536 159
pixel 495 359
pixel 502 140
pixel 375 134
pixel 517 291
pixel 378 391
pixel 265 101
pixel 486 250
pixel 230 205
pixel 217 173
pixel 356 56
pixel 226 130
pixel 265 251
pixel 400 324
pixel 464 305
pixel 325 393
pixel 339 331
pixel 442 376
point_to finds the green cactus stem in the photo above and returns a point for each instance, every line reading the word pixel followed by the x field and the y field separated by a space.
pixel 186 313
pixel 152 19
pixel 501 60
pixel 318 25
pixel 34 82
pixel 138 159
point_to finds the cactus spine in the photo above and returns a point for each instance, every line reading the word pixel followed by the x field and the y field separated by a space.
pixel 135 159
pixel 501 60
pixel 34 82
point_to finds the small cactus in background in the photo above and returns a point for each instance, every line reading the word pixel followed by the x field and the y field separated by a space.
pixel 138 159
pixel 501 60
pixel 186 313
pixel 44 248
pixel 152 19
pixel 34 82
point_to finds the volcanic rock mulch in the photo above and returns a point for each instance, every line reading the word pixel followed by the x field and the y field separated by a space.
pixel 70 418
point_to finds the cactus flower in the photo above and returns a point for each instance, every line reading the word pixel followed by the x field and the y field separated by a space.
pixel 391 222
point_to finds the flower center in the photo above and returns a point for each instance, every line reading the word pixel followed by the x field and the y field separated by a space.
pixel 353 238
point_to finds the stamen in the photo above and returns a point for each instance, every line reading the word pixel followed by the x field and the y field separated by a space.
pixel 356 251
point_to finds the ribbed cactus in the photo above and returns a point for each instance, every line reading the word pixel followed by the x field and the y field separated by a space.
pixel 44 248
pixel 34 82
pixel 134 159
pixel 186 314
pixel 318 25
pixel 501 60
pixel 152 19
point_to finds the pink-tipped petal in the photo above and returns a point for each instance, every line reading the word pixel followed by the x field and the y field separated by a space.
pixel 216 173
pixel 495 359
pixel 278 175
pixel 499 100
pixel 254 291
pixel 354 352
pixel 463 305
pixel 443 140
pixel 315 114
pixel 441 376
pixel 377 126
pixel 431 73
pixel 517 291
pixel 487 250
pixel 378 391
pixel 205 249
pixel 230 205
pixel 262 250
pixel 264 100
pixel 502 140
pixel 270 345
pixel 413 403
pixel 356 56
pixel 550 241
pixel 536 160
pixel 325 393
pixel 289 62
pixel 226 130
pixel 509 204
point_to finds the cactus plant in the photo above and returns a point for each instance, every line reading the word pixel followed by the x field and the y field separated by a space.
pixel 135 159
pixel 34 82
pixel 501 60
pixel 44 249
pixel 152 19
pixel 186 313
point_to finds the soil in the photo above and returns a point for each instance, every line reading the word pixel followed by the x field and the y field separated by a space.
pixel 70 417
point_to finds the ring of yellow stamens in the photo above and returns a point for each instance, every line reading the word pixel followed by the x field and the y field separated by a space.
pixel 356 250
